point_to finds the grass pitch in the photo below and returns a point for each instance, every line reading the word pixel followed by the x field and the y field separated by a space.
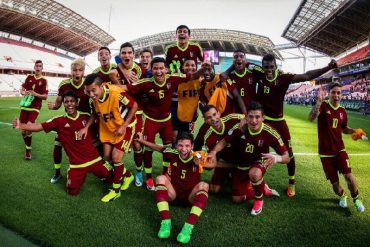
pixel 46 215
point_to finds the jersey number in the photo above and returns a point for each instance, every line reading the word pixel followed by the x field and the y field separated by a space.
pixel 249 148
pixel 183 174
pixel 335 123
pixel 161 94
pixel 266 90
pixel 242 92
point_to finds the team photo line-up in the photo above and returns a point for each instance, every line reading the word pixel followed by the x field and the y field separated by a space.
pixel 120 108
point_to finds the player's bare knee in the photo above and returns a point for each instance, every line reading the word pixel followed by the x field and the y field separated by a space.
pixel 203 186
pixel 161 179
pixel 255 174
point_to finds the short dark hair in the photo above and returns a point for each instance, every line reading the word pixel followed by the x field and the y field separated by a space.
pixel 206 108
pixel 70 93
pixel 254 106
pixel 104 48
pixel 185 135
pixel 38 61
pixel 239 50
pixel 183 26
pixel 146 50
pixel 127 44
pixel 158 60
pixel 91 78
pixel 333 85
pixel 269 57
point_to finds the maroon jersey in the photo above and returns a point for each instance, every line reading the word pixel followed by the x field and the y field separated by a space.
pixel 184 174
pixel 158 104
pixel 175 56
pixel 40 86
pixel 271 94
pixel 330 124
pixel 245 83
pixel 104 75
pixel 79 152
pixel 209 137
pixel 139 71
pixel 252 145
pixel 79 90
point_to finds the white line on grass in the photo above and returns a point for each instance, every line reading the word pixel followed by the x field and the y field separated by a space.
pixel 9 124
pixel 316 154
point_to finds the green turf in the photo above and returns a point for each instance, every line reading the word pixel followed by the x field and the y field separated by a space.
pixel 46 215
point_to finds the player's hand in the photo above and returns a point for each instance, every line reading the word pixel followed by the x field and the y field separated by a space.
pixel 130 76
pixel 333 64
pixel 82 133
pixel 270 159
pixel 139 137
pixel 224 76
pixel 120 131
pixel 51 105
pixel 321 94
pixel 211 157
pixel 242 124
pixel 16 123
pixel 359 134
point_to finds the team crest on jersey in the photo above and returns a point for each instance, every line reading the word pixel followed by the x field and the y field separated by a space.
pixel 168 85
pixel 341 115
pixel 250 80
pixel 260 143
pixel 191 54
pixel 40 83
pixel 84 123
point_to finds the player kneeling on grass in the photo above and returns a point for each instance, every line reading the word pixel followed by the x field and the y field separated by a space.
pixel 254 141
pixel 332 121
pixel 115 110
pixel 181 184
pixel 83 156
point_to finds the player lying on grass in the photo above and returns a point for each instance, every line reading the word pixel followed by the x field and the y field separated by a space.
pixel 83 156
pixel 253 142
pixel 331 123
pixel 181 184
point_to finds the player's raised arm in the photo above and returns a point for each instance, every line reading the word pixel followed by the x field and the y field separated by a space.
pixel 205 65
pixel 55 105
pixel 316 109
pixel 32 127
pixel 113 75
pixel 140 138
pixel 312 74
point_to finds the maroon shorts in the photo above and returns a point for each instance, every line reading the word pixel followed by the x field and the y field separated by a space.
pixel 220 175
pixel 240 181
pixel 28 116
pixel 76 176
pixel 182 196
pixel 139 123
pixel 151 128
pixel 125 144
pixel 282 128
pixel 333 165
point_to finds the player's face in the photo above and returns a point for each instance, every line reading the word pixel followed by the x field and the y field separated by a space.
pixel 159 71
pixel 104 58
pixel 182 36
pixel 335 96
pixel 254 120
pixel 269 68
pixel 145 59
pixel 94 91
pixel 213 118
pixel 184 147
pixel 239 61
pixel 70 105
pixel 77 73
pixel 38 68
pixel 127 56
pixel 189 66
pixel 209 74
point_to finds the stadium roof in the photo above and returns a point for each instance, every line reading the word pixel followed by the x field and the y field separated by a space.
pixel 51 23
pixel 211 39
pixel 330 26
